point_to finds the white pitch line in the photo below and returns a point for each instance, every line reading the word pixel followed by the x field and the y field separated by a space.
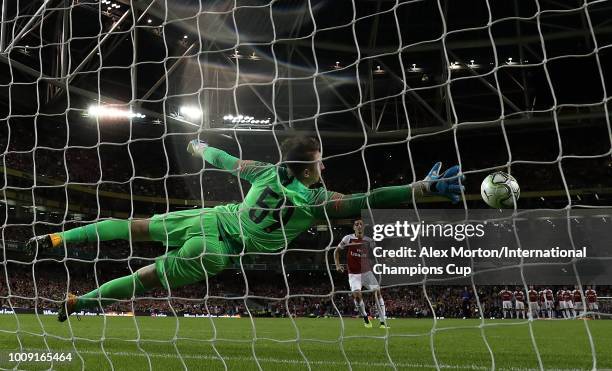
pixel 276 360
pixel 296 361
pixel 315 362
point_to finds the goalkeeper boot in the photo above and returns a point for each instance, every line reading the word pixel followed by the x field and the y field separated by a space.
pixel 44 242
pixel 67 308
pixel 366 322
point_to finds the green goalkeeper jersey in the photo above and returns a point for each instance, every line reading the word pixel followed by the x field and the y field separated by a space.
pixel 278 207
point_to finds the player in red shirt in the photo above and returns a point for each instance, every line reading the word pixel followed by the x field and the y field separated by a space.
pixel 506 297
pixel 577 299
pixel 591 300
pixel 549 302
pixel 532 294
pixel 561 302
pixel 360 271
pixel 569 306
pixel 519 298
pixel 542 304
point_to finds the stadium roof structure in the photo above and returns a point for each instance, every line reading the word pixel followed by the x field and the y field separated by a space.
pixel 342 67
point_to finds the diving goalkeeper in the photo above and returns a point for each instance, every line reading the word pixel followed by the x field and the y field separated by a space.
pixel 278 207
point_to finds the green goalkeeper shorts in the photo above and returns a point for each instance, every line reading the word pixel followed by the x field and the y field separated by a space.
pixel 201 254
pixel 173 229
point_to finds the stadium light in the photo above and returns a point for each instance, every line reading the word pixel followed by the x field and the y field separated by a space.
pixel 190 112
pixel 414 68
pixel 240 119
pixel 455 66
pixel 109 112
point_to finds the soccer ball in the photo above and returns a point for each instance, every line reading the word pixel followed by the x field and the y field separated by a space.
pixel 500 190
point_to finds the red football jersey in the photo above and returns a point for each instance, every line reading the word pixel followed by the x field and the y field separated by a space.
pixel 560 295
pixel 541 296
pixel 505 295
pixel 591 296
pixel 358 253
pixel 519 296
pixel 533 296
pixel 548 294
pixel 567 295
pixel 577 296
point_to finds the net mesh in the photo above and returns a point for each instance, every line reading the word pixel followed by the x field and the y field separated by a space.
pixel 383 81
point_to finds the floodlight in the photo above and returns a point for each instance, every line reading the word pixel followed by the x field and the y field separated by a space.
pixel 191 112
pixel 110 112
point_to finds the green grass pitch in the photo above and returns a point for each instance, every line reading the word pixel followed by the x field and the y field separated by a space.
pixel 325 343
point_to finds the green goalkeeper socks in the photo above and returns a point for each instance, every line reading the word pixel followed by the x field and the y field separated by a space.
pixel 110 292
pixel 106 230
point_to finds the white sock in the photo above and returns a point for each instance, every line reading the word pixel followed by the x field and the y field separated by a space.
pixel 382 314
pixel 362 308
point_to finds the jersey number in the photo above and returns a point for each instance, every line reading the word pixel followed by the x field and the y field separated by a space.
pixel 258 215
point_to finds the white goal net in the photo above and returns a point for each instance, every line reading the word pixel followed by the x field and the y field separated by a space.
pixel 99 100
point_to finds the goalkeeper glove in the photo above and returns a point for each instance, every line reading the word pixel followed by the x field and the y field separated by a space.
pixel 447 184
pixel 197 147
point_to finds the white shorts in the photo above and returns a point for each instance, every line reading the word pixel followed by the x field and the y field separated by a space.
pixel 520 305
pixel 569 305
pixel 593 306
pixel 578 305
pixel 534 306
pixel 506 304
pixel 366 279
pixel 548 304
pixel 562 305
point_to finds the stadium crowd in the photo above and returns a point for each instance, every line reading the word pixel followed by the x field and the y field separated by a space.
pixel 155 170
pixel 226 295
